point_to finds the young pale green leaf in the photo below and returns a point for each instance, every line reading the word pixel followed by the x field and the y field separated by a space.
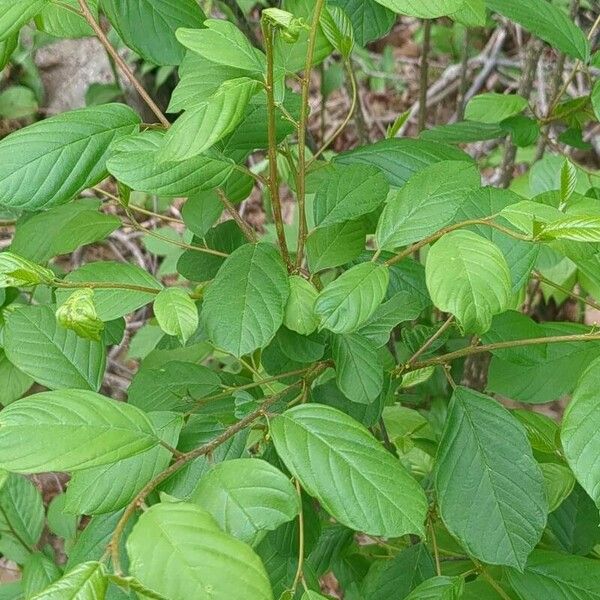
pixel 576 228
pixel 18 102
pixel 135 162
pixel 108 488
pixel 337 27
pixel 201 127
pixel 212 564
pixel 346 192
pixel 51 161
pixel 580 432
pixel 176 313
pixel 468 276
pixel 338 461
pixel 86 581
pixel 439 588
pixel 300 308
pixel 78 313
pixel 114 303
pixel 16 13
pixel 328 247
pixel 399 159
pixel 493 108
pixel 247 497
pixel 223 43
pixel 547 22
pixel 425 9
pixel 358 368
pixel 426 203
pixel 556 575
pixel 39 572
pixel 71 430
pixel 148 26
pixel 21 516
pixel 289 26
pixel 558 483
pixel 568 180
pixel 244 306
pixel 485 448
pixel 370 20
pixel 61 230
pixel 349 301
pixel 16 271
pixel 53 356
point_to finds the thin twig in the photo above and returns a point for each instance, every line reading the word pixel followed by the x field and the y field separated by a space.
pixel 248 232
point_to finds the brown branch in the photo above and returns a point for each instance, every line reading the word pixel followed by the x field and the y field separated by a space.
pixel 233 212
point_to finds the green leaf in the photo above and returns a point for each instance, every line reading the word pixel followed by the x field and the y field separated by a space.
pixel 86 581
pixel 547 22
pixel 16 13
pixel 580 435
pixel 346 192
pixel 135 162
pixel 338 29
pixel 71 430
pixel 523 130
pixel 463 132
pixel 176 313
pixel 172 386
pixel 223 43
pixel 300 308
pixel 484 448
pixel 108 488
pixel 493 108
pixel 471 14
pixel 114 303
pixel 201 212
pixel 18 102
pixel 149 26
pixel 576 228
pixel 438 588
pixel 14 382
pixel 358 368
pixel 338 461
pixel 468 276
pixel 349 301
pixel 370 20
pixel 568 180
pixel 78 313
pixel 38 573
pixel 61 230
pixel 7 47
pixel 53 356
pixel 244 306
pixel 213 563
pixel 558 482
pixel 595 98
pixel 556 575
pixel 201 127
pixel 16 271
pixel 61 20
pixel 399 159
pixel 51 161
pixel 21 517
pixel 288 26
pixel 426 9
pixel 428 202
pixel 246 497
pixel 333 246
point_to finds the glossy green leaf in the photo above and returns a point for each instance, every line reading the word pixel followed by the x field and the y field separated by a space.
pixel 53 356
pixel 246 497
pixel 108 488
pixel 51 161
pixel 349 301
pixel 135 162
pixel 438 588
pixel 485 448
pixel 370 20
pixel 86 581
pixel 426 9
pixel 547 22
pixel 336 245
pixel 427 202
pixel 14 382
pixel 300 308
pixel 16 13
pixel 176 313
pixel 463 132
pixel 16 271
pixel 223 43
pixel 212 562
pixel 39 572
pixel 244 306
pixel 558 482
pixel 201 127
pixel 71 430
pixel 576 228
pixel 148 27
pixel 468 276
pixel 338 29
pixel 493 108
pixel 114 303
pixel 338 461
pixel 61 20
pixel 556 575
pixel 358 368
pixel 471 14
pixel 346 192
